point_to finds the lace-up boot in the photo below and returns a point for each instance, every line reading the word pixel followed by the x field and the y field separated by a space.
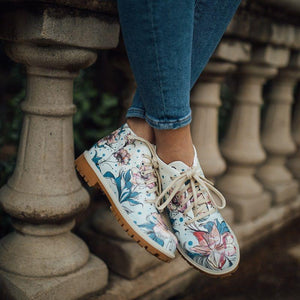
pixel 121 164
pixel 205 240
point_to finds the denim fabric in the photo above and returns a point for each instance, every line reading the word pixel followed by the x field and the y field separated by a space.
pixel 168 43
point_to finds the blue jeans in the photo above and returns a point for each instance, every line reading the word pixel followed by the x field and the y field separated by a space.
pixel 168 43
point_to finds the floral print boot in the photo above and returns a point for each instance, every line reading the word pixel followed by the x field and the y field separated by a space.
pixel 123 166
pixel 205 240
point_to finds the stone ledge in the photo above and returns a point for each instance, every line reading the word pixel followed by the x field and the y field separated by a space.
pixel 89 279
pixel 120 288
pixel 48 25
pixel 104 6
pixel 167 280
pixel 278 216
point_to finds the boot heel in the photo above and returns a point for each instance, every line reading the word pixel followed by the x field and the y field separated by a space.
pixel 86 172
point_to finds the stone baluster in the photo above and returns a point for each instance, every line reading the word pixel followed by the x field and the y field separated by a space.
pixel 241 146
pixel 205 101
pixel 277 138
pixel 294 161
pixel 42 259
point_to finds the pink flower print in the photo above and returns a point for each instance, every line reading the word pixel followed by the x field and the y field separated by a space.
pixel 139 177
pixel 136 178
pixel 112 138
pixel 218 248
pixel 122 156
pixel 161 230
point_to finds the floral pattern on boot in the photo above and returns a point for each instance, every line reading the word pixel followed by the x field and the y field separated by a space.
pixel 205 240
pixel 124 166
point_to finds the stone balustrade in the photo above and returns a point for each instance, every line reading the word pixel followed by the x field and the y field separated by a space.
pixel 256 165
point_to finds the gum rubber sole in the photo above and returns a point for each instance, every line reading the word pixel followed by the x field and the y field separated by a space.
pixel 92 180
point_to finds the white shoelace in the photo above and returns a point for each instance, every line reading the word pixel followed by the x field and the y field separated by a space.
pixel 152 167
pixel 197 183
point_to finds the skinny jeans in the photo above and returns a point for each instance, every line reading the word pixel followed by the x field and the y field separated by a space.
pixel 168 43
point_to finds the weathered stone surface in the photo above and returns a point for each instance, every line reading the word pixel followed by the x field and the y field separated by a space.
pixel 276 217
pixel 262 29
pixel 295 252
pixel 125 258
pixel 44 193
pixel 122 289
pixel 294 161
pixel 294 62
pixel 173 287
pixel 289 5
pixel 228 214
pixel 103 6
pixel 296 42
pixel 233 50
pixel 270 55
pixel 241 146
pixel 104 222
pixel 277 138
pixel 205 100
pixel 58 25
pixel 89 279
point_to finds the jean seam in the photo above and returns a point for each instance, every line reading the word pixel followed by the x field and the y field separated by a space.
pixel 155 122
pixel 135 112
pixel 157 57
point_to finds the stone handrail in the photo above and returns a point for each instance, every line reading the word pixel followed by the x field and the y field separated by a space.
pixel 256 165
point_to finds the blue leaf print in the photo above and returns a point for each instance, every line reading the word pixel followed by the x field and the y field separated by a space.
pixel 156 239
pixel 96 159
pixel 124 187
pixel 109 174
pixel 147 226
pixel 222 227
pixel 127 177
pixel 209 225
pixel 133 202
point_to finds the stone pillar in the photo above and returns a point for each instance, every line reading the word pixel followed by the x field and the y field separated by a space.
pixel 205 101
pixel 277 138
pixel 44 193
pixel 241 146
pixel 294 161
pixel 42 259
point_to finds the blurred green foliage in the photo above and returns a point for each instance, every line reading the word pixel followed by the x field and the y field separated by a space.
pixel 97 113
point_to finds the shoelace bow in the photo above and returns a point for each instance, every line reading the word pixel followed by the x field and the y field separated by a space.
pixel 153 167
pixel 176 184
pixel 194 179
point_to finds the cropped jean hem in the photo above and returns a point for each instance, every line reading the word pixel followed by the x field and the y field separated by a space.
pixel 133 112
pixel 169 124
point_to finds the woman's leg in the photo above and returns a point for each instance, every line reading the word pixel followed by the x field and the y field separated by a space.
pixel 158 36
pixel 210 21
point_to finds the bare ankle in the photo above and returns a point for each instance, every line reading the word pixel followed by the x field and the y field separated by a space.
pixel 141 128
pixel 175 145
